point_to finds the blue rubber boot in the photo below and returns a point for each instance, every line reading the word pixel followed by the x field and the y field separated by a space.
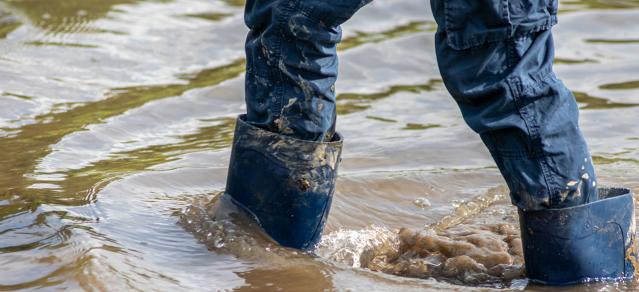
pixel 594 241
pixel 287 184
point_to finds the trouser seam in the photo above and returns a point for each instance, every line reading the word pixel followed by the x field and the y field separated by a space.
pixel 278 90
pixel 506 15
pixel 516 88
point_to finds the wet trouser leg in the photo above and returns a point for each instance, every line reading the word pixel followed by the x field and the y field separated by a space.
pixel 285 151
pixel 292 64
pixel 495 58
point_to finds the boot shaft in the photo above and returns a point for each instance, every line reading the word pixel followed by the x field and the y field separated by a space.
pixel 287 184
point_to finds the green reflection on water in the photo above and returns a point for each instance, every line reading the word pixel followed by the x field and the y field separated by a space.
pixel 20 96
pixel 64 15
pixel 375 37
pixel 416 126
pixel 348 103
pixel 568 61
pixel 579 5
pixel 212 16
pixel 610 160
pixel 592 102
pixel 59 44
pixel 22 152
pixel 381 119
pixel 408 126
pixel 621 85
pixel 119 164
pixel 7 24
pixel 235 3
pixel 613 41
pixel 6 28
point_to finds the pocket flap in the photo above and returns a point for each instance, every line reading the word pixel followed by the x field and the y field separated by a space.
pixel 470 23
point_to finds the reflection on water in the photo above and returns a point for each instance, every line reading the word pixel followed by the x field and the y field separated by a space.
pixel 593 102
pixel 621 85
pixel 7 23
pixel 22 151
pixel 360 38
pixel 211 16
pixel 577 5
pixel 64 16
pixel 611 160
pixel 567 61
pixel 355 102
pixel 59 44
pixel 116 118
pixel 236 3
pixel 613 41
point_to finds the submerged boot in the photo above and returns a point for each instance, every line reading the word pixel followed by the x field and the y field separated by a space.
pixel 287 184
pixel 594 241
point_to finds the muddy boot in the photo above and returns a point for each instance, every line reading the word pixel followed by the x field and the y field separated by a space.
pixel 594 241
pixel 287 184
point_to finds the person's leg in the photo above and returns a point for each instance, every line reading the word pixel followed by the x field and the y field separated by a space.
pixel 292 64
pixel 495 58
pixel 285 150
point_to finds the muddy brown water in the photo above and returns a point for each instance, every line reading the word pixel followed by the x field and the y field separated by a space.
pixel 115 123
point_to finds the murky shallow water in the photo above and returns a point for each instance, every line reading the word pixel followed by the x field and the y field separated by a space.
pixel 116 118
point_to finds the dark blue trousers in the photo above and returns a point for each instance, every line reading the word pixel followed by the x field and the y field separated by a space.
pixel 495 58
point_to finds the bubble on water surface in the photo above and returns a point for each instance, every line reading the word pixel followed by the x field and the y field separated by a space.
pixel 422 203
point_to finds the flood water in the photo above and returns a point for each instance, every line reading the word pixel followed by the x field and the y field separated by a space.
pixel 116 118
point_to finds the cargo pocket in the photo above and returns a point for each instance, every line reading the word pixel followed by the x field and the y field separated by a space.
pixel 470 23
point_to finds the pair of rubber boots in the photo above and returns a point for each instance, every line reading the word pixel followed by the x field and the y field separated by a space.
pixel 287 185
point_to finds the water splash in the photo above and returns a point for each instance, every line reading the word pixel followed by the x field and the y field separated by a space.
pixel 356 248
pixel 478 244
pixel 219 224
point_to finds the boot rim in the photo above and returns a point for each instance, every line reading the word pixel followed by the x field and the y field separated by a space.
pixel 613 197
pixel 609 193
pixel 337 139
